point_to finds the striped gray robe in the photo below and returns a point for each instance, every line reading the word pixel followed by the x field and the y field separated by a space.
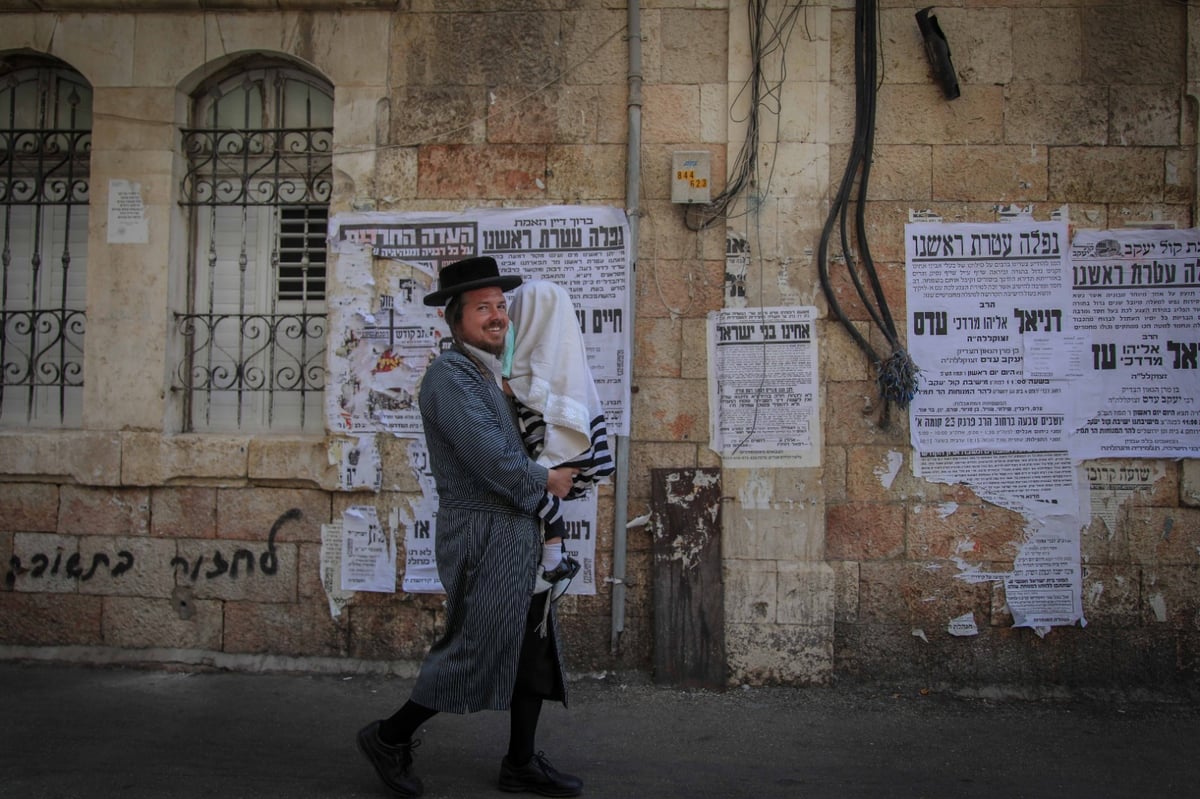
pixel 488 538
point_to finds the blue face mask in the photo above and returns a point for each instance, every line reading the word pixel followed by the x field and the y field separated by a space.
pixel 506 360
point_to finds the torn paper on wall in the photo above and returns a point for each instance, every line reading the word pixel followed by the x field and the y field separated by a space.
pixel 358 463
pixel 1112 483
pixel 963 625
pixel 368 552
pixel 331 568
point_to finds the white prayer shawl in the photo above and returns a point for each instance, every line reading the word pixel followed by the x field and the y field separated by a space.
pixel 550 372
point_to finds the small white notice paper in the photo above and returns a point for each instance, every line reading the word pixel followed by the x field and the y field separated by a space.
pixel 126 213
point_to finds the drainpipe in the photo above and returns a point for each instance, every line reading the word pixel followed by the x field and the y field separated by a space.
pixel 633 167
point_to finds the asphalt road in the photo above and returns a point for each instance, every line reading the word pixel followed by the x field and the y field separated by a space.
pixel 116 732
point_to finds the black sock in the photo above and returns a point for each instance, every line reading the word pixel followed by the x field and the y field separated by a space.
pixel 523 721
pixel 400 728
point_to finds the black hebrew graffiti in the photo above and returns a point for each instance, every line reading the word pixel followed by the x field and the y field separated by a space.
pixel 42 566
pixel 242 558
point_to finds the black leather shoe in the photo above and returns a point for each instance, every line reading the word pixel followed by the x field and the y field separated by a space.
pixel 538 776
pixel 393 764
pixel 558 579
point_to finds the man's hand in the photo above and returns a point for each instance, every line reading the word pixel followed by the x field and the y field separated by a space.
pixel 559 481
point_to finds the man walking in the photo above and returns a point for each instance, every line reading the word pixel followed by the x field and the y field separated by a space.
pixel 488 550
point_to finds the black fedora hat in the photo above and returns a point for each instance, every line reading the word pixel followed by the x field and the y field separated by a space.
pixel 471 273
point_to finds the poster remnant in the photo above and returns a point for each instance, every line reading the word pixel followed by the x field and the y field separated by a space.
pixel 383 337
pixel 763 394
pixel 976 293
pixel 1137 293
pixel 368 552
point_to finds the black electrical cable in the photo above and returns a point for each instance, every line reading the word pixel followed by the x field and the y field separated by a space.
pixel 896 374
pixel 766 36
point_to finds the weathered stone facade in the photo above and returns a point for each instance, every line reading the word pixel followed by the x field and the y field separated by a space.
pixel 452 105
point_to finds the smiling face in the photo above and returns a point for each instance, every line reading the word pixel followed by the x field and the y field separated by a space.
pixel 484 319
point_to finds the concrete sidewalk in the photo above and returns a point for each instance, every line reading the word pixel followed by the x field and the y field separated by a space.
pixel 88 732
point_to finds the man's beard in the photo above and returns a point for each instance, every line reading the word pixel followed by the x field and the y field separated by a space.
pixel 482 344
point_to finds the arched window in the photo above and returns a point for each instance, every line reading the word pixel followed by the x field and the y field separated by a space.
pixel 258 185
pixel 45 143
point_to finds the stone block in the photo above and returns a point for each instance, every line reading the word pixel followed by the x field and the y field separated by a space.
pixel 1106 174
pixel 694 45
pixel 183 512
pixel 1146 116
pixel 555 115
pixel 714 113
pixel 1055 114
pixel 394 631
pixel 918 114
pixel 104 511
pixel 152 459
pixel 973 533
pixel 90 458
pixel 1180 180
pixel 586 173
pixel 142 623
pixel 981 44
pixel 29 507
pixel 1111 596
pixel 237 570
pixel 659 346
pixel 775 514
pixel 395 174
pixel 125 566
pixel 675 288
pixel 292 514
pixel 613 124
pixel 50 619
pixel 445 114
pixel 39 562
pixel 1119 37
pixel 845 591
pixel 671 114
pixel 1170 595
pixel 863 531
pixel 751 592
pixel 1015 173
pixel 671 410
pixel 136 118
pixel 853 415
pixel 779 654
pixel 890 274
pixel 1047 45
pixel 86 44
pixel 833 474
pixel 532 56
pixel 295 460
pixel 1163 536
pixel 476 172
pixel 347 47
pixel 806 594
pixel 594 38
pixel 925 595
pixel 1098 544
pixel 694 361
pixel 295 629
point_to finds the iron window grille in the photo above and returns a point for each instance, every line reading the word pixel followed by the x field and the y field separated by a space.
pixel 45 158
pixel 258 185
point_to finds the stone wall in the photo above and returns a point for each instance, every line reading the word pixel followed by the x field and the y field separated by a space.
pixel 830 570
